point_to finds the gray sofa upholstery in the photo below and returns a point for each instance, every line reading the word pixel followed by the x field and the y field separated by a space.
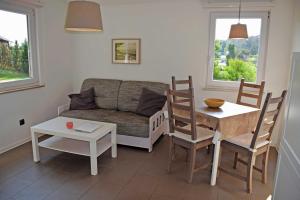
pixel 117 101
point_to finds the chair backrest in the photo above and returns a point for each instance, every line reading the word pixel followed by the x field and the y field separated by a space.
pixel 255 95
pixel 188 82
pixel 268 118
pixel 181 108
pixel 179 83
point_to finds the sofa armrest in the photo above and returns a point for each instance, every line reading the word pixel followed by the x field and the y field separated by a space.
pixel 158 121
pixel 62 108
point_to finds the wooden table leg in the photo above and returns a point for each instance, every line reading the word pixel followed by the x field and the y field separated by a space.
pixel 93 155
pixel 114 143
pixel 214 172
pixel 35 146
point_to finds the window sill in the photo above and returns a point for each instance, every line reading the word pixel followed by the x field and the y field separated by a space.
pixel 221 89
pixel 17 89
pixel 228 89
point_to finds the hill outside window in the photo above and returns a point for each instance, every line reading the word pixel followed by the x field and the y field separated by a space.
pixel 230 60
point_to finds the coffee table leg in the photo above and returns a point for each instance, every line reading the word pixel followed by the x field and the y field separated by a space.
pixel 114 143
pixel 35 146
pixel 93 155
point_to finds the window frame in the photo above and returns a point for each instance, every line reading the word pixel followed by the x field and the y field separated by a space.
pixel 260 75
pixel 33 59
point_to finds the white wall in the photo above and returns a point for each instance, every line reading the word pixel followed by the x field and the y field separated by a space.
pixel 37 105
pixel 296 43
pixel 174 37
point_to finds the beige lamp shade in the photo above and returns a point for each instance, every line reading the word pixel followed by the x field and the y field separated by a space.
pixel 238 31
pixel 83 16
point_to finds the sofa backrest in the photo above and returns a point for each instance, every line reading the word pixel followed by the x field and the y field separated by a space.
pixel 106 92
pixel 130 93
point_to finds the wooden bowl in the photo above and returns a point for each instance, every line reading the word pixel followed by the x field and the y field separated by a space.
pixel 214 103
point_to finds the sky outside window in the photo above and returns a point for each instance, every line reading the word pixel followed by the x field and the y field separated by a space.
pixel 13 26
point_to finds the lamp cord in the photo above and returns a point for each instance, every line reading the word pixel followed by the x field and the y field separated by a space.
pixel 240 7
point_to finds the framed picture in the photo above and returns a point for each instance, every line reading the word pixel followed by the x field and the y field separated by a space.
pixel 126 51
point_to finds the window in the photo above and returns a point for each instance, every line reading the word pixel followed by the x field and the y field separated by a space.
pixel 233 59
pixel 18 47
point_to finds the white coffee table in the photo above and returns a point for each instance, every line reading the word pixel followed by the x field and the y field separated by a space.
pixel 71 141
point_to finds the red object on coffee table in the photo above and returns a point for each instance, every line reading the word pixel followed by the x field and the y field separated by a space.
pixel 69 125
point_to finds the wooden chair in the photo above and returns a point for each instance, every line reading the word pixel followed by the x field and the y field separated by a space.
pixel 189 84
pixel 190 137
pixel 255 96
pixel 175 84
pixel 254 144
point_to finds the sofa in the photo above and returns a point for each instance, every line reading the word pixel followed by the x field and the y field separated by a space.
pixel 117 101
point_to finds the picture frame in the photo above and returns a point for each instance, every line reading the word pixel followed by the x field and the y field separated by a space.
pixel 126 51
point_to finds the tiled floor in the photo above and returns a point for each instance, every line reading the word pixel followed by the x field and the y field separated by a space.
pixel 134 175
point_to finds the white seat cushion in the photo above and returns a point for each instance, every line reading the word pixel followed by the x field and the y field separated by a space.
pixel 245 141
pixel 202 134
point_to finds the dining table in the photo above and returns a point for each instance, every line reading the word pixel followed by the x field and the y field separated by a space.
pixel 227 121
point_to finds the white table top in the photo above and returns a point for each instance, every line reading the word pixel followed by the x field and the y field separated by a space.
pixel 57 126
pixel 227 110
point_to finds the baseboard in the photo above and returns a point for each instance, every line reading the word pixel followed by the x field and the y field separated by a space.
pixel 14 145
pixel 17 144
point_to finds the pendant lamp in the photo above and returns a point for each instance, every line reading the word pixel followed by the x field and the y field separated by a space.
pixel 83 16
pixel 238 31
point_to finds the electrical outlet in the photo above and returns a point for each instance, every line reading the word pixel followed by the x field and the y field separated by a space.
pixel 22 122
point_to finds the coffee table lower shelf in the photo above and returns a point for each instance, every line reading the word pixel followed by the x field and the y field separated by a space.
pixel 73 146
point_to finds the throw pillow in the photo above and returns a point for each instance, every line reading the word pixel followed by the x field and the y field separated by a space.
pixel 150 102
pixel 83 101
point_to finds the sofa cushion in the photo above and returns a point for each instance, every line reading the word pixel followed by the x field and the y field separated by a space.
pixel 129 124
pixel 106 91
pixel 83 101
pixel 150 103
pixel 130 93
pixel 95 115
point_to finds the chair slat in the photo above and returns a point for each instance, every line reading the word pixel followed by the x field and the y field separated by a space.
pixel 271 113
pixel 181 94
pixel 183 130
pixel 275 100
pixel 252 85
pixel 182 119
pixel 263 136
pixel 182 81
pixel 181 107
pixel 182 100
pixel 250 95
pixel 267 125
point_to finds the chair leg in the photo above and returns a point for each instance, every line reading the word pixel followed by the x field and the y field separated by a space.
pixel 171 153
pixel 187 151
pixel 208 149
pixel 236 157
pixel 192 163
pixel 250 172
pixel 265 166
